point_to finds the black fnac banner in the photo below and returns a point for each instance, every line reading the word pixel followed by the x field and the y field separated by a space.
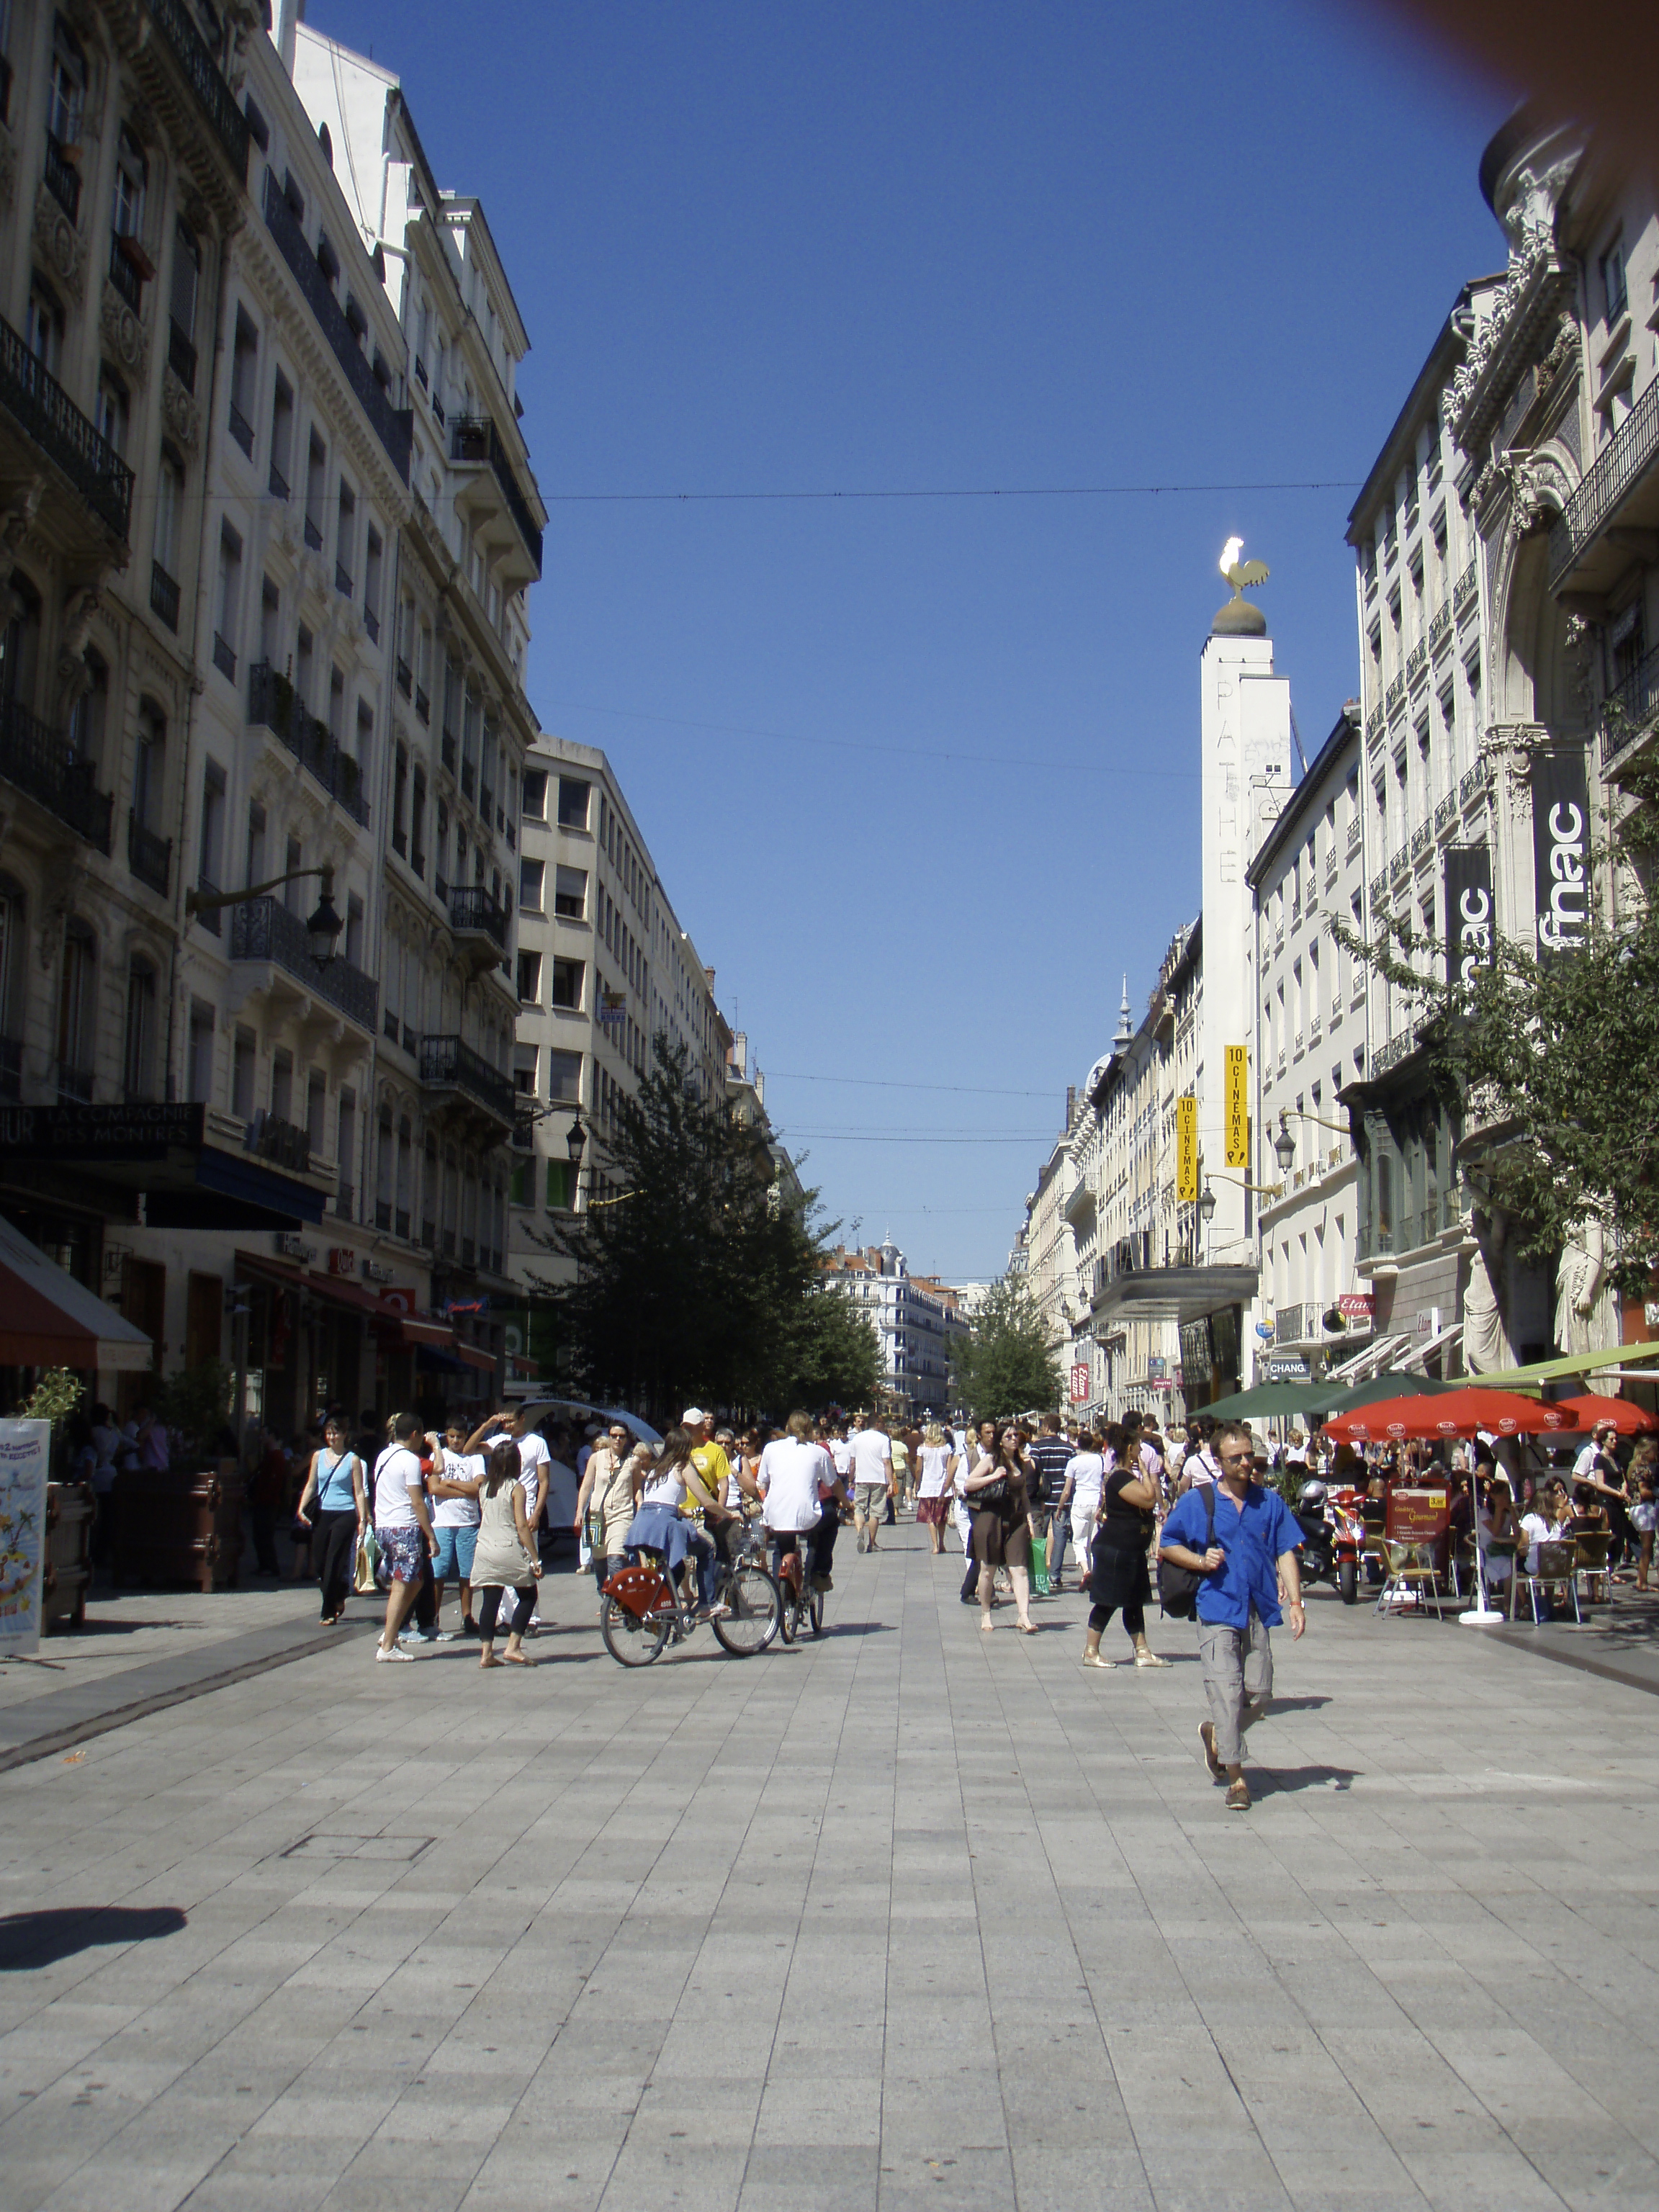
pixel 1560 850
pixel 1469 912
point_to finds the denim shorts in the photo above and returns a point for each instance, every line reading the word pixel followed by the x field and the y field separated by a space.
pixel 403 1554
pixel 452 1561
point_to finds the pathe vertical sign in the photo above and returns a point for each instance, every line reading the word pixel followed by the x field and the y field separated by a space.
pixel 25 1458
pixel 1468 913
pixel 1560 849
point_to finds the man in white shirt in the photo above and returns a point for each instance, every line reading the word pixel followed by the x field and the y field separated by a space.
pixel 795 1477
pixel 455 1518
pixel 403 1528
pixel 872 1482
pixel 841 1451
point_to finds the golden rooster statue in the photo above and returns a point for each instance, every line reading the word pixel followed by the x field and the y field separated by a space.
pixel 1241 574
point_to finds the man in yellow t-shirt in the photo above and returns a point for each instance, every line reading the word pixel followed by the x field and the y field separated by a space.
pixel 706 1483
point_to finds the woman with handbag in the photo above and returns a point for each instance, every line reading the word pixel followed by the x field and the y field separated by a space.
pixel 504 1557
pixel 1118 1578
pixel 336 1489
pixel 997 1498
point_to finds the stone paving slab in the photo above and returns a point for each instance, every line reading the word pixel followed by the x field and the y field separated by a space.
pixel 910 1915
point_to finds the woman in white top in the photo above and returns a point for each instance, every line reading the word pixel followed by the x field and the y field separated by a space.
pixel 794 1478
pixel 939 1464
pixel 1085 1478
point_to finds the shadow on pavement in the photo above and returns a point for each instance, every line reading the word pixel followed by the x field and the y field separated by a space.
pixel 1276 1781
pixel 28 1939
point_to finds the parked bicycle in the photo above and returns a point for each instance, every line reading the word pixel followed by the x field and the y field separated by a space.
pixel 641 1612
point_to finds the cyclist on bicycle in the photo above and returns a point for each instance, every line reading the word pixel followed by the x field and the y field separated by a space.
pixel 663 1522
pixel 796 1476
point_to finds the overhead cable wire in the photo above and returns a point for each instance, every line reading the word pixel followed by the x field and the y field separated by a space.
pixel 934 491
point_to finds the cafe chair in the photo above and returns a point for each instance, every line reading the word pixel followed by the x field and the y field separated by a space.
pixel 1591 1546
pixel 1557 1569
pixel 1413 1578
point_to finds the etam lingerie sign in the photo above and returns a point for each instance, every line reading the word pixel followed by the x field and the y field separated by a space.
pixel 1560 850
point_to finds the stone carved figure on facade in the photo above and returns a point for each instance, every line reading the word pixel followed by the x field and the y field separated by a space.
pixel 74 676
pixel 1487 1347
pixel 1586 1303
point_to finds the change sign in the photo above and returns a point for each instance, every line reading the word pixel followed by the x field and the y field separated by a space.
pixel 1560 849
pixel 1469 912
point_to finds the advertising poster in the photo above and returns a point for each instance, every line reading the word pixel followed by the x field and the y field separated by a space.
pixel 1560 850
pixel 1469 912
pixel 1417 1517
pixel 25 1456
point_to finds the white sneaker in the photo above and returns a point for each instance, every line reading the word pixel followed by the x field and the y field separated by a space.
pixel 396 1652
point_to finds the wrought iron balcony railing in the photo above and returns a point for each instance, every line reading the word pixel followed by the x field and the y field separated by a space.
pixel 195 59
pixel 1627 711
pixel 51 771
pixel 57 425
pixel 1628 455
pixel 474 438
pixel 449 1064
pixel 273 702
pixel 471 907
pixel 149 857
pixel 264 929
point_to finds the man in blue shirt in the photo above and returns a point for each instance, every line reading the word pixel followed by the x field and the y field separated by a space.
pixel 1254 1544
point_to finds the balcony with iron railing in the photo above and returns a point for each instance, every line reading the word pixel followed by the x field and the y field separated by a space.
pixel 215 97
pixel 163 595
pixel 472 911
pixel 1474 784
pixel 264 929
pixel 448 1063
pixel 474 438
pixel 1464 596
pixel 1395 695
pixel 63 176
pixel 274 704
pixel 394 428
pixel 148 857
pixel 1417 660
pixel 123 274
pixel 1623 484
pixel 1440 627
pixel 1628 711
pixel 47 767
pixel 41 407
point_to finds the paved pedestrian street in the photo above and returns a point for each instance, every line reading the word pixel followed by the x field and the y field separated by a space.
pixel 911 1917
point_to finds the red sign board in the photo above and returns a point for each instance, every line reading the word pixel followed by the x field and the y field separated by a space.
pixel 1080 1382
pixel 1417 1517
pixel 1356 1305
pixel 342 1260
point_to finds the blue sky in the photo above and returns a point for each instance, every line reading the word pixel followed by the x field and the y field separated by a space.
pixel 920 776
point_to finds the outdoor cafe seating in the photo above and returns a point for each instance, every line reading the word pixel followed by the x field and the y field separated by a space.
pixel 1558 1569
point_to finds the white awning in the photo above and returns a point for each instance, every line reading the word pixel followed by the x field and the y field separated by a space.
pixel 1366 1364
pixel 1419 1361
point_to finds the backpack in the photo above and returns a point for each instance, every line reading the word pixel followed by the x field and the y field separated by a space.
pixel 1178 1586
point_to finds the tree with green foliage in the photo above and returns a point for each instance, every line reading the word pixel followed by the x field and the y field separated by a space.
pixel 836 1356
pixel 1552 1063
pixel 695 1278
pixel 1006 1363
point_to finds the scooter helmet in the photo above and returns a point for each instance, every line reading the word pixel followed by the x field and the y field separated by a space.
pixel 1311 1498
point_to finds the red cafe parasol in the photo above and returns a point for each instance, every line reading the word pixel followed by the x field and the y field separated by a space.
pixel 1590 1412
pixel 1453 1413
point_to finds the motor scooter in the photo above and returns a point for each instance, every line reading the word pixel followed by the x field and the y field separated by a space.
pixel 1333 1539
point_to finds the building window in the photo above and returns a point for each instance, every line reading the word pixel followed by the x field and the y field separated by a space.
pixel 568 984
pixel 187 285
pixel 149 766
pixel 316 491
pixel 316 1111
pixel 169 508
pixel 530 874
pixel 43 327
pixel 199 1071
pixel 530 978
pixel 244 1055
pixel 570 894
pixel 212 836
pixel 131 180
pixel 244 365
pixel 66 90
pixel 138 1046
pixel 1613 291
pixel 535 794
pixel 112 412
pixel 230 601
pixel 281 1085
pixel 564 1077
pixel 281 434
pixel 345 540
pixel 573 803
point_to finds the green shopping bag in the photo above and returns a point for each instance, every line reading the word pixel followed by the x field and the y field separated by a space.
pixel 1039 1569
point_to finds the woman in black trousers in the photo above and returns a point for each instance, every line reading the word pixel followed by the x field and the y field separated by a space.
pixel 1118 1579
pixel 337 1487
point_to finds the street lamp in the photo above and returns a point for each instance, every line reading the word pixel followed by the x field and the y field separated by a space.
pixel 1285 1147
pixel 576 1140
pixel 1206 1206
pixel 322 930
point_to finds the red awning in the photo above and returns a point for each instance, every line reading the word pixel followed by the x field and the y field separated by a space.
pixel 49 1320
pixel 418 1330
pixel 410 1328
pixel 485 1361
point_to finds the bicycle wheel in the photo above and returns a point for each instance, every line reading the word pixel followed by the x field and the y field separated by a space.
pixel 756 1614
pixel 815 1611
pixel 630 1640
pixel 788 1622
